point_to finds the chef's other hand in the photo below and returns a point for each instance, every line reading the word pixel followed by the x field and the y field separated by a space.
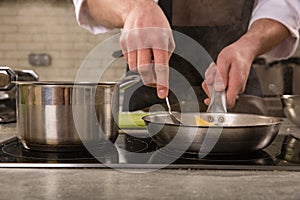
pixel 230 73
pixel 147 43
pixel 235 60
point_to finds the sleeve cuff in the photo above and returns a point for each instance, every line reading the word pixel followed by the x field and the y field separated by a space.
pixel 287 47
pixel 289 17
pixel 85 20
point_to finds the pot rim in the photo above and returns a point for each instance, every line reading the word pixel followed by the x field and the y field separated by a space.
pixel 290 96
pixel 62 83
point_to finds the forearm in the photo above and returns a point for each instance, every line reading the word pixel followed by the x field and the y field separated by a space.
pixel 234 61
pixel 113 14
pixel 263 35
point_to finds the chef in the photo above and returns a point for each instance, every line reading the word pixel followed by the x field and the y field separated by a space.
pixel 233 32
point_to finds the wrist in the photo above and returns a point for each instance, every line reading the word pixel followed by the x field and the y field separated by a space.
pixel 263 35
pixel 135 6
pixel 250 46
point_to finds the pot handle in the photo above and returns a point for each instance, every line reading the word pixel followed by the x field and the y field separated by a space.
pixel 118 91
pixel 128 81
pixel 7 76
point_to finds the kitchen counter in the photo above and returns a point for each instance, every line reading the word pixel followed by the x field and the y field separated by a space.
pixel 163 184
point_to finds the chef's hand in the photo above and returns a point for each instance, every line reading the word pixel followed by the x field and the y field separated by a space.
pixel 230 73
pixel 147 43
pixel 234 61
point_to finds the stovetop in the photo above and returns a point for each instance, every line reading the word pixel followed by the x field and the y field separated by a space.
pixel 282 154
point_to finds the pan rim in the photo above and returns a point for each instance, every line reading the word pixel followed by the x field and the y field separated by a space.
pixel 277 121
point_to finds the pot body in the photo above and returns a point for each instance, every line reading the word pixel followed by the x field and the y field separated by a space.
pixel 56 115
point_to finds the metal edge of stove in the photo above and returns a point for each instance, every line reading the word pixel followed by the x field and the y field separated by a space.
pixel 149 166
pixel 139 167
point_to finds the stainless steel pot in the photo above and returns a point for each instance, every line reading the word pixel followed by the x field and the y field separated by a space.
pixel 45 116
pixel 239 133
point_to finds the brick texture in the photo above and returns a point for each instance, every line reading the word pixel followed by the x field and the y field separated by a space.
pixel 49 26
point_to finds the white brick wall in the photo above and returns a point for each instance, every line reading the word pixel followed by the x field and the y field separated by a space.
pixel 48 26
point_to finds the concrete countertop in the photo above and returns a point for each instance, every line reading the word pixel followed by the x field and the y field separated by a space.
pixel 73 184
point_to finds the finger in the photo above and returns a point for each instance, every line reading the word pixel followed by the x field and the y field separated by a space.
pixel 207 101
pixel 125 51
pixel 145 67
pixel 161 59
pixel 223 64
pixel 205 88
pixel 210 73
pixel 126 59
pixel 171 44
pixel 123 43
pixel 237 79
pixel 213 77
pixel 231 95
pixel 218 82
pixel 235 86
pixel 132 60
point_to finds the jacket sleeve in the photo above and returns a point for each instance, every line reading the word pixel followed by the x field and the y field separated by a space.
pixel 287 12
pixel 85 20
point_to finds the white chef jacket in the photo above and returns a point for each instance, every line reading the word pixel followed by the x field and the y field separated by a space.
pixel 286 12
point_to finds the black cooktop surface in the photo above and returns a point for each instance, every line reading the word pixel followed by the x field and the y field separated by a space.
pixel 282 154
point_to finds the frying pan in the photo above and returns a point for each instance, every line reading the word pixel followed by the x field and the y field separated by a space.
pixel 239 133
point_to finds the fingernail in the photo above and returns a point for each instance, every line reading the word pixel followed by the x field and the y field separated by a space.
pixel 206 101
pixel 230 103
pixel 133 69
pixel 161 93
